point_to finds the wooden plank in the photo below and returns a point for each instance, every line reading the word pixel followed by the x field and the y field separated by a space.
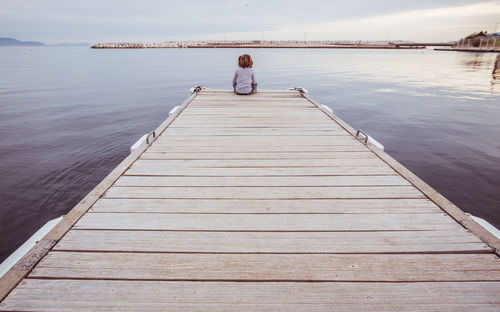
pixel 253 114
pixel 276 95
pixel 91 295
pixel 283 119
pixel 214 93
pixel 256 132
pixel 298 127
pixel 256 146
pixel 270 117
pixel 259 140
pixel 256 113
pixel 260 181
pixel 258 155
pixel 439 241
pixel 270 222
pixel 270 267
pixel 303 120
pixel 241 112
pixel 211 134
pixel 256 141
pixel 253 124
pixel 138 169
pixel 290 122
pixel 247 112
pixel 253 149
pixel 285 105
pixel 269 192
pixel 261 97
pixel 282 105
pixel 269 103
pixel 261 163
pixel 364 206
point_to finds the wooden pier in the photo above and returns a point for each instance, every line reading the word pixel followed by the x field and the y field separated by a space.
pixel 264 203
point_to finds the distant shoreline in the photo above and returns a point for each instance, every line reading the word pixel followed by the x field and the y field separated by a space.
pixel 11 42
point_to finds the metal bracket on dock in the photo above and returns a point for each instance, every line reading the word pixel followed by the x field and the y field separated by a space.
pixel 301 90
pixel 195 89
pixel 142 139
pixel 366 138
pixel 364 134
pixel 147 138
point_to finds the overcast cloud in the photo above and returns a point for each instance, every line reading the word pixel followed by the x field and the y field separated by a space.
pixel 133 20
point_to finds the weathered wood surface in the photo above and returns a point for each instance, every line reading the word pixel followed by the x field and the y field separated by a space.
pixel 262 148
pixel 310 206
pixel 271 192
pixel 167 154
pixel 269 267
pixel 454 241
pixel 106 295
pixel 262 163
pixel 261 181
pixel 262 202
pixel 159 169
pixel 266 223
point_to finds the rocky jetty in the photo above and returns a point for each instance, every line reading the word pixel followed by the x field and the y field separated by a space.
pixel 260 44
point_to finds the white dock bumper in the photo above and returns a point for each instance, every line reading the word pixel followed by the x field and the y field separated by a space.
pixel 139 142
pixel 488 226
pixel 173 110
pixel 376 143
pixel 327 108
pixel 24 248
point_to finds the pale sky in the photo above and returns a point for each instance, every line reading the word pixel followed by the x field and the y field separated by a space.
pixel 95 21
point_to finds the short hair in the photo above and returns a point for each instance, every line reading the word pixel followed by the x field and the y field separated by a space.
pixel 245 61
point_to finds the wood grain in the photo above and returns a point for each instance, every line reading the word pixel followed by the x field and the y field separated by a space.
pixel 259 192
pixel 261 181
pixel 266 223
pixel 269 267
pixel 229 296
pixel 364 206
pixel 439 241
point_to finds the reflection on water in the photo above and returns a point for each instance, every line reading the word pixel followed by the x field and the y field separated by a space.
pixel 473 60
pixel 496 71
pixel 69 115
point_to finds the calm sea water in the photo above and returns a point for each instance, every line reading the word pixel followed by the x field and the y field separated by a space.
pixel 69 115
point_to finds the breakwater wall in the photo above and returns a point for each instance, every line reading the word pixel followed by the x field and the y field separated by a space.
pixel 260 44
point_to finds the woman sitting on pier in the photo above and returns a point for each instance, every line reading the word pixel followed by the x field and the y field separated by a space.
pixel 244 79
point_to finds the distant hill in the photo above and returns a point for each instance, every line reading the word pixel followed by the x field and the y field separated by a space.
pixel 14 42
pixel 69 44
